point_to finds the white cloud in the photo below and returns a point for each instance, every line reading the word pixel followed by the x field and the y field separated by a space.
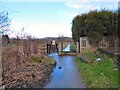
pixel 16 25
pixel 82 6
pixel 48 29
pixel 79 8
pixel 16 28
pixel 74 5
pixel 87 6
pixel 41 30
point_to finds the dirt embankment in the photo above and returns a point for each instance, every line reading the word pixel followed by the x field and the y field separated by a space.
pixel 27 76
pixel 20 73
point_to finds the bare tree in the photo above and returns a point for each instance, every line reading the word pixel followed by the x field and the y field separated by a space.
pixel 4 22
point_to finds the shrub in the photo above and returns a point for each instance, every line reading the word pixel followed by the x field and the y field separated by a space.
pixel 73 47
pixel 35 59
pixel 49 60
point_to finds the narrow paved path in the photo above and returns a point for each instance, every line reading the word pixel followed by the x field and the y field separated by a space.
pixel 65 74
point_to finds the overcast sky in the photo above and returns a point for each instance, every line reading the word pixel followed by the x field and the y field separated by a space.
pixel 49 18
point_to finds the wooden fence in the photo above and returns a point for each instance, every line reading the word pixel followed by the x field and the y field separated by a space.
pixel 83 44
pixel 42 49
pixel 104 43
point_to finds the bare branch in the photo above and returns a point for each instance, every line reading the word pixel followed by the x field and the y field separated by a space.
pixel 4 22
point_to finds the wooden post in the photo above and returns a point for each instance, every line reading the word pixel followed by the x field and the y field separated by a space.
pixel 80 43
pixel 17 54
pixel 77 45
pixel 56 47
pixel 59 47
pixel 47 48
pixel 87 42
pixel 1 71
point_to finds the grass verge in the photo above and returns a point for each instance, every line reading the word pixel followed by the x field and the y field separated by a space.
pixel 46 60
pixel 73 47
pixel 98 74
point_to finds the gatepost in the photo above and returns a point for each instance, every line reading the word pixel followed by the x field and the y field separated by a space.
pixel 48 48
pixel 77 45
pixel 53 45
pixel 59 47
pixel 80 44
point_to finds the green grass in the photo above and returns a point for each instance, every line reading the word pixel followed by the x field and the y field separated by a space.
pixel 99 74
pixel 46 60
pixel 35 59
pixel 72 47
pixel 49 60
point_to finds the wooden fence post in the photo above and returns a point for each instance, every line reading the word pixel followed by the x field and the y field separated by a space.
pixel 80 43
pixel 60 47
pixel 48 48
pixel 77 45
pixel 1 70
pixel 56 47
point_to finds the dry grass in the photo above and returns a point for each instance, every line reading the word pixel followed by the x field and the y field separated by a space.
pixel 15 60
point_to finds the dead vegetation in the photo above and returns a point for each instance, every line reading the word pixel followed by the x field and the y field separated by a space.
pixel 18 70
